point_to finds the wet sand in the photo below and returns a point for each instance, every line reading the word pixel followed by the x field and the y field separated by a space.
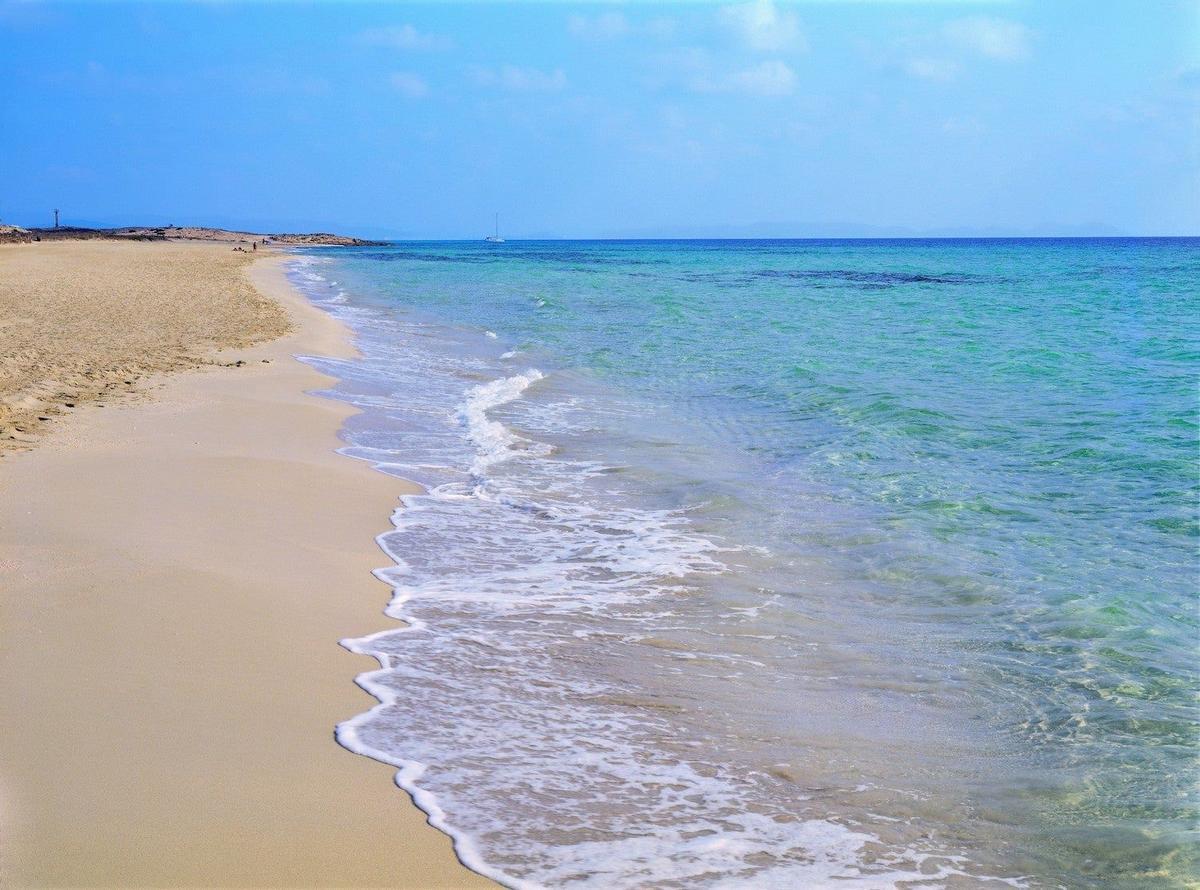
pixel 175 572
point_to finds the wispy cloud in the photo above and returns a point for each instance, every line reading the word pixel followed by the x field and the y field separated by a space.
pixel 613 25
pixel 605 25
pixel 700 71
pixel 770 78
pixel 993 38
pixel 404 37
pixel 944 54
pixel 518 79
pixel 1174 100
pixel 764 27
pixel 942 70
pixel 412 86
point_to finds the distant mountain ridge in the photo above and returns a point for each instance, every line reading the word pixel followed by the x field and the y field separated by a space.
pixel 860 230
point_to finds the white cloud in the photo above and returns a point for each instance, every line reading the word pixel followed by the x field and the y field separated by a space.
pixel 611 25
pixel 605 25
pixel 404 37
pixel 762 26
pixel 699 71
pixel 942 70
pixel 512 77
pixel 408 84
pixel 770 78
pixel 993 38
pixel 946 53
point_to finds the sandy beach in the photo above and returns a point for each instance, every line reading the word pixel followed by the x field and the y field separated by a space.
pixel 176 569
pixel 82 322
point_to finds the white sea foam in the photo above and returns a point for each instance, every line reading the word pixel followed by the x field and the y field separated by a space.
pixel 520 700
pixel 495 441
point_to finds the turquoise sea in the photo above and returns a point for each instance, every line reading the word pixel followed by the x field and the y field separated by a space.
pixel 786 563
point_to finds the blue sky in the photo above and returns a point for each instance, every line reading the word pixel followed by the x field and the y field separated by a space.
pixel 619 119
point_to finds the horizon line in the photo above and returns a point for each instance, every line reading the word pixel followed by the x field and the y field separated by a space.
pixel 351 232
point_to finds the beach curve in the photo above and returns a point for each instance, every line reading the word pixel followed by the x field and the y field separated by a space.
pixel 168 560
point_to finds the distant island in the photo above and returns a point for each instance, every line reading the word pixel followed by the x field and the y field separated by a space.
pixel 17 234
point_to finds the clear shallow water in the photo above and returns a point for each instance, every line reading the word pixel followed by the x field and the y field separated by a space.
pixel 787 563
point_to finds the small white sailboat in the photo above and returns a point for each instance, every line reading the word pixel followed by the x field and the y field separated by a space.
pixel 495 239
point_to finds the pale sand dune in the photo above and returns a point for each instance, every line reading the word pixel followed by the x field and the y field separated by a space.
pixel 81 321
pixel 174 575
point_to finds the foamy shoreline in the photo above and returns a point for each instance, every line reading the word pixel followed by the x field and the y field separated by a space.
pixel 175 581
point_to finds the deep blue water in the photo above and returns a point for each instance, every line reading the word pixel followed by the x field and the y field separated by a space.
pixel 890 546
